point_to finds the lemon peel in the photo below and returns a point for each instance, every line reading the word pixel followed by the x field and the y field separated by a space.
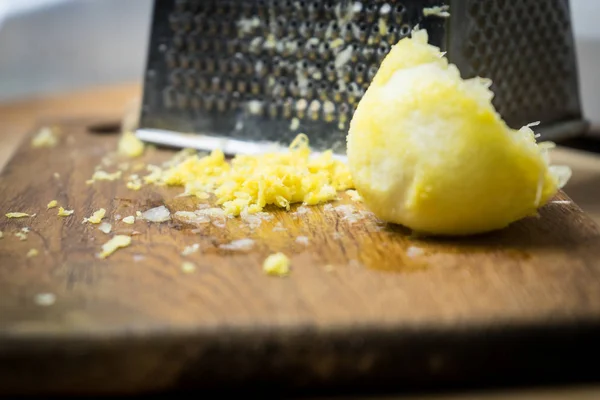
pixel 427 149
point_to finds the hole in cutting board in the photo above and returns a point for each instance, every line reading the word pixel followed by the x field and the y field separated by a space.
pixel 105 128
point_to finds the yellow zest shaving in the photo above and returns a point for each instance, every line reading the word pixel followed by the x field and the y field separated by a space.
pixel 32 253
pixel 383 27
pixel 105 227
pixel 17 215
pixel 135 183
pixel 64 213
pixel 354 196
pixel 104 176
pixel 188 267
pixel 96 217
pixel 44 138
pixel 129 220
pixel 336 43
pixel 52 204
pixel 22 235
pixel 45 299
pixel 437 11
pixel 190 249
pixel 117 242
pixel 249 183
pixel 277 265
pixel 130 145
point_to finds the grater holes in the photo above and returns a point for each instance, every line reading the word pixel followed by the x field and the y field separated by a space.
pixel 405 30
pixel 301 106
pixel 323 90
pixel 287 108
pixel 181 100
pixel 314 110
pixel 300 59
pixel 385 11
pixel 171 59
pixel 208 100
pixel 531 39
pixel 176 78
pixel 320 28
pixel 189 78
pixel 215 84
pixel 371 12
pixel 382 50
pixel 181 5
pixel 367 55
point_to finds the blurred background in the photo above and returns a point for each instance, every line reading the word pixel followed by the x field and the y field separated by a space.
pixel 49 46
pixel 40 52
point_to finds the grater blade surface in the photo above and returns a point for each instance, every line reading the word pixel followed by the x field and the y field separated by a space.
pixel 246 75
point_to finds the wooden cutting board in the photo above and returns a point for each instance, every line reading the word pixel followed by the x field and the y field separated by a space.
pixel 365 304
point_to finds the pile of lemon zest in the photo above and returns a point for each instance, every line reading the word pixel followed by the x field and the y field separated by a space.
pixel 277 264
pixel 52 204
pixel 251 182
pixel 117 242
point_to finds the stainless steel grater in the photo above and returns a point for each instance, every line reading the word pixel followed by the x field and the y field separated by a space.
pixel 241 75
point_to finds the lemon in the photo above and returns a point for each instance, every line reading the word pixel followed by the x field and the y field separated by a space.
pixel 427 149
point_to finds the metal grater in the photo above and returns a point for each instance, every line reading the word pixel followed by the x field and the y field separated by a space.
pixel 243 74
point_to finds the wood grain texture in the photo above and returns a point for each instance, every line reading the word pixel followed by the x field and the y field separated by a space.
pixel 522 303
